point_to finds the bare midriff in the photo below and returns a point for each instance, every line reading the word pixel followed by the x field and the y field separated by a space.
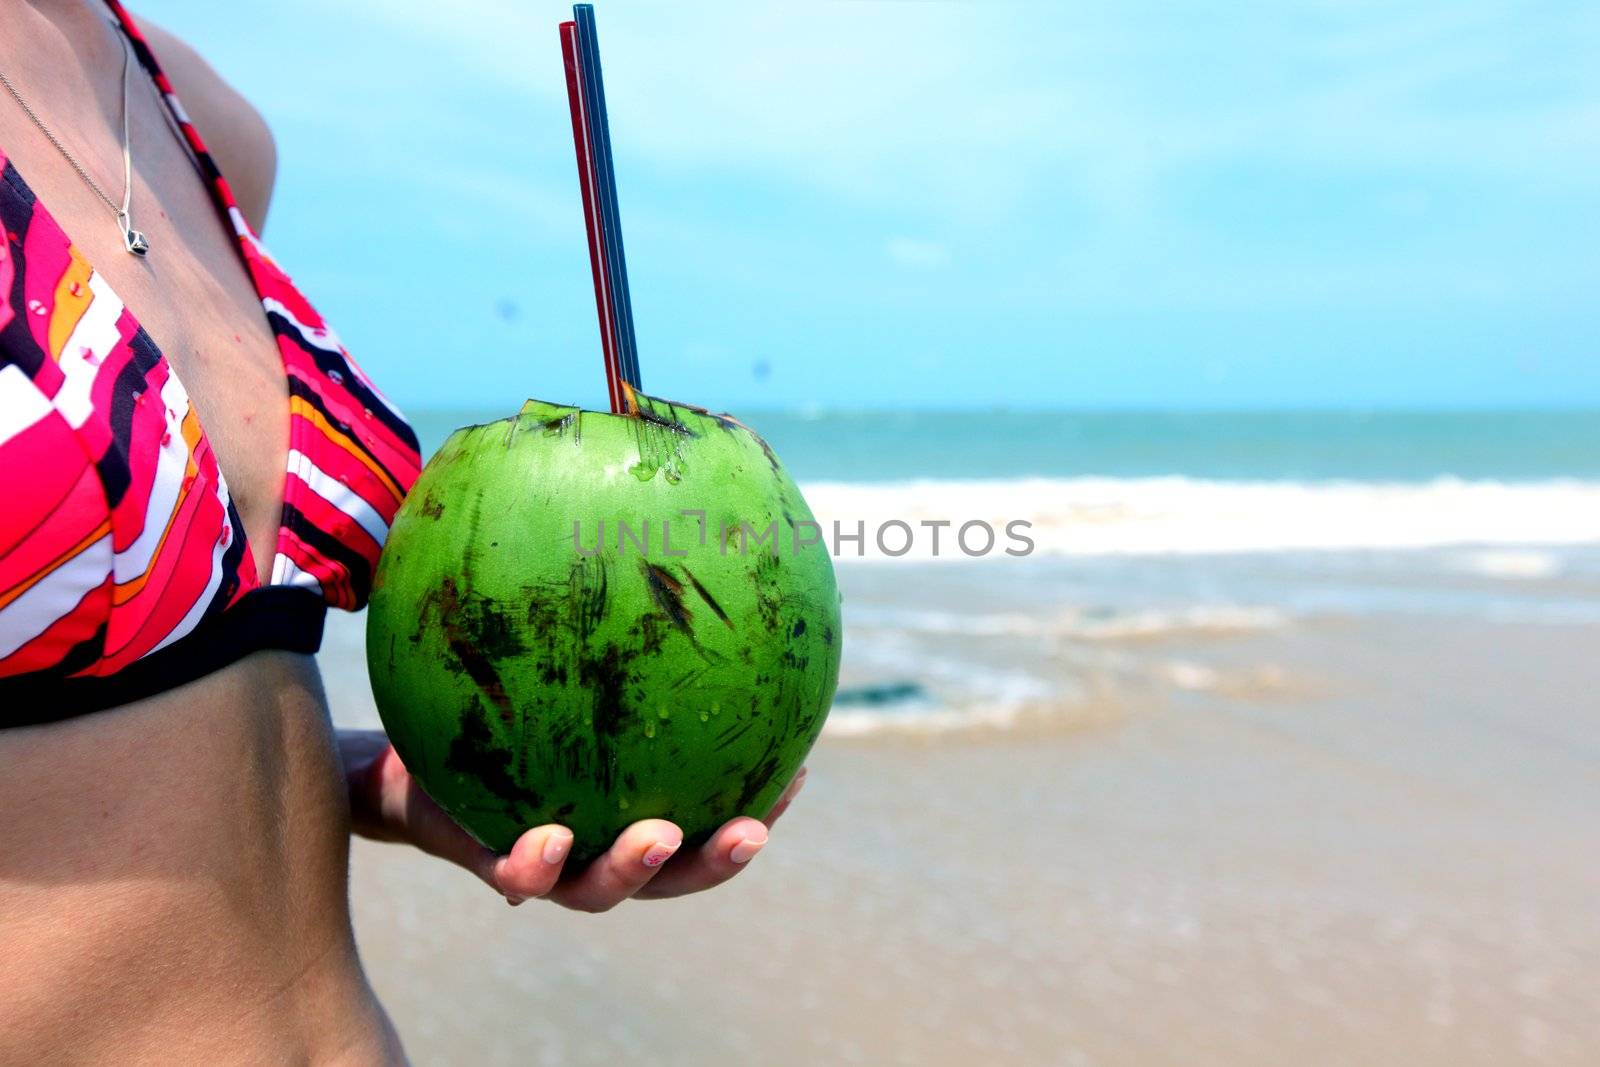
pixel 173 882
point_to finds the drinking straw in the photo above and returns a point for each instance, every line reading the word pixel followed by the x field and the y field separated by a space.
pixel 605 183
pixel 591 215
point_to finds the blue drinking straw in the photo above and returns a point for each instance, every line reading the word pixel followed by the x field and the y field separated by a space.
pixel 588 47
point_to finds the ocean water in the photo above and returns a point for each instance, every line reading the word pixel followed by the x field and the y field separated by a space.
pixel 1168 556
pixel 1295 446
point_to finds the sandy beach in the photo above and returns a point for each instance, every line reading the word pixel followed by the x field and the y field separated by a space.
pixel 1353 839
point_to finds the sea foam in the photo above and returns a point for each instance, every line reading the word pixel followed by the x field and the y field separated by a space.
pixel 1176 515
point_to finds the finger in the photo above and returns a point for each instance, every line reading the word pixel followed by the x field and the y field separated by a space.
pixel 624 869
pixel 792 791
pixel 725 855
pixel 722 857
pixel 533 865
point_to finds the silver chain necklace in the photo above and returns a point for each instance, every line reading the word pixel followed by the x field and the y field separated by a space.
pixel 133 240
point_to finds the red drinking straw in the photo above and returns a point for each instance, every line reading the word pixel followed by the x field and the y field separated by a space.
pixel 603 296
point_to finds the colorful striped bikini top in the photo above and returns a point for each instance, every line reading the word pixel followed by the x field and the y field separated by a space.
pixel 124 568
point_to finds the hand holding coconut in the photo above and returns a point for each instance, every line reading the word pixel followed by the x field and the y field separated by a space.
pixel 601 643
pixel 388 805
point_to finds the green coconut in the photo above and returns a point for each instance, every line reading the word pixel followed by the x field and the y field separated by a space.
pixel 589 619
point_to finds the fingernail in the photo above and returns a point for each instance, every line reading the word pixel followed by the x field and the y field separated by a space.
pixel 659 853
pixel 745 850
pixel 515 901
pixel 555 847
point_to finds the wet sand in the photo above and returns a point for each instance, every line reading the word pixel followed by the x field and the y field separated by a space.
pixel 1382 854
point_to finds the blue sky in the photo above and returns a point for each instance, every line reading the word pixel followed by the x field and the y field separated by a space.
pixel 906 204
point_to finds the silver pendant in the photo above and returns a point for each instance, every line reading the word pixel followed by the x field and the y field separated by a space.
pixel 133 240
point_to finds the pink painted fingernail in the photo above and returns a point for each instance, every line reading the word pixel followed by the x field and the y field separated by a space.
pixel 659 853
pixel 745 850
pixel 556 846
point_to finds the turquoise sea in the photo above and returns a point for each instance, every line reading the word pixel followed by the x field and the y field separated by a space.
pixel 1218 445
pixel 1160 531
pixel 1278 445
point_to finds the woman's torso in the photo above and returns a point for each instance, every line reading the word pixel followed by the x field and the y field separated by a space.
pixel 172 882
pixel 172 873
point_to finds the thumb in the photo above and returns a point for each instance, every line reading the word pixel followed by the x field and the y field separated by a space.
pixel 414 817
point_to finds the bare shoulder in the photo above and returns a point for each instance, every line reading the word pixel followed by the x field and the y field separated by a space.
pixel 234 131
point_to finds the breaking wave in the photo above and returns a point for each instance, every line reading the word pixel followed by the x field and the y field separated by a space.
pixel 1176 515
